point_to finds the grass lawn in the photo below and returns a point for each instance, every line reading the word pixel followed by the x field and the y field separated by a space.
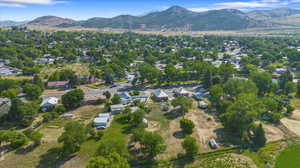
pixel 289 157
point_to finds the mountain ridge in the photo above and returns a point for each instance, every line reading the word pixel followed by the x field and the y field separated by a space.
pixel 179 18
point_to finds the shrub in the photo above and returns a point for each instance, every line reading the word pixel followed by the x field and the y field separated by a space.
pixel 187 126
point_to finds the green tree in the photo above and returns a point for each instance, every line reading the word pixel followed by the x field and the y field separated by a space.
pixel 187 126
pixel 289 87
pixel 259 139
pixel 263 81
pixel 73 99
pixel 183 102
pixel 190 146
pixel 107 95
pixel 34 136
pixel 241 114
pixel 72 138
pixel 151 143
pixel 116 99
pixel 298 88
pixel 136 118
pixel 33 92
pixel 113 160
pixel 10 93
pixel 236 86
pixel 217 94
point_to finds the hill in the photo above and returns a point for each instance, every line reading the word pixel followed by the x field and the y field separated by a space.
pixel 176 18
pixel 179 18
pixel 5 23
pixel 272 14
pixel 50 21
pixel 293 20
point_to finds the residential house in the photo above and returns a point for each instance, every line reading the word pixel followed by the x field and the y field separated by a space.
pixel 181 92
pixel 58 85
pixel 160 96
pixel 49 104
pixel 126 98
pixel 102 120
pixel 7 70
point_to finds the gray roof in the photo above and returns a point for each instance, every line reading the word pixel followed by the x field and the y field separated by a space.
pixel 160 93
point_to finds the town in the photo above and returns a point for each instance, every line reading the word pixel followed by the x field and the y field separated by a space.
pixel 134 100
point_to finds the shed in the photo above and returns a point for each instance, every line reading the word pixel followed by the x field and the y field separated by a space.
pixel 117 108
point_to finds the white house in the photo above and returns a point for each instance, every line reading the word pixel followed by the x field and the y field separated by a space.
pixel 181 92
pixel 160 96
pixel 49 104
pixel 117 108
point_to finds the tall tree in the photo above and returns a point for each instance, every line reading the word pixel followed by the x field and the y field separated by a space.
pixel 72 138
pixel 190 146
pixel 73 99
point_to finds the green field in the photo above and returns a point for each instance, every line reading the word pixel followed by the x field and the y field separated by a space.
pixel 289 157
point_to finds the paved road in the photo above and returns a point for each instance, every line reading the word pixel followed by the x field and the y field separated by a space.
pixel 90 94
pixel 93 94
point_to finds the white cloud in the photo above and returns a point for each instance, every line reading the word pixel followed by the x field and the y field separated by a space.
pixel 12 5
pixel 203 9
pixel 255 4
pixel 41 2
pixel 242 4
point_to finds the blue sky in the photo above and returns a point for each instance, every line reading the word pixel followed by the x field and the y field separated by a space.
pixel 83 9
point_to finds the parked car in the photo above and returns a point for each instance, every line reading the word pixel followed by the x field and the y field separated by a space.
pixel 213 144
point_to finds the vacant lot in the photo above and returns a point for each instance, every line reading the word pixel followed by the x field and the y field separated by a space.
pixel 273 133
pixel 206 127
pixel 292 125
pixel 289 157
pixel 78 68
pixel 296 104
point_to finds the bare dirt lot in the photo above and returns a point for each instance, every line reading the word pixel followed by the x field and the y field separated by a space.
pixel 206 127
pixel 272 133
pixel 292 125
pixel 296 115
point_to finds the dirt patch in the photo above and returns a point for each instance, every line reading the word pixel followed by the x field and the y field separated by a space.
pixel 296 115
pixel 173 144
pixel 273 133
pixel 292 125
pixel 206 127
pixel 153 126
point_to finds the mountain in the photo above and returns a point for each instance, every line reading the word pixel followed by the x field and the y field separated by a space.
pixel 179 18
pixel 292 20
pixel 176 18
pixel 6 23
pixel 272 14
pixel 50 21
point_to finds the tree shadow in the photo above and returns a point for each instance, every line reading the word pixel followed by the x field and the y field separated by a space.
pixel 25 150
pixel 173 114
pixel 182 160
pixel 179 134
pixel 52 159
